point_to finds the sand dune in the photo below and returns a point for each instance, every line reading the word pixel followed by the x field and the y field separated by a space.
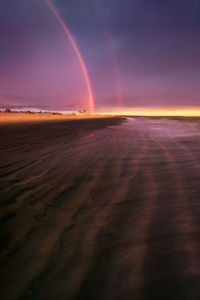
pixel 100 214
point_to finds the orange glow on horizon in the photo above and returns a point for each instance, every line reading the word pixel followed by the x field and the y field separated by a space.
pixel 167 112
pixel 156 112
pixel 77 51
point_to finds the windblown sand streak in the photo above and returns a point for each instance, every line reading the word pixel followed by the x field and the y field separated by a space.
pixel 101 214
pixel 187 217
pixel 182 220
pixel 85 240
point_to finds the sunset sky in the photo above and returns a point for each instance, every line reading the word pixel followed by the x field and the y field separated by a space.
pixel 136 53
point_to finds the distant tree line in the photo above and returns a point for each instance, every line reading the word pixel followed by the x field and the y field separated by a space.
pixel 83 111
pixel 8 110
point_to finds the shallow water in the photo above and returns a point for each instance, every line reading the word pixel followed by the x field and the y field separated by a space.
pixel 108 214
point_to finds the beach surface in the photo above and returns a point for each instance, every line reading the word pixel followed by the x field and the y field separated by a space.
pixel 104 208
pixel 19 118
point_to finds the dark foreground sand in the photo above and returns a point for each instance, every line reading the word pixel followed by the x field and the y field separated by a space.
pixel 100 214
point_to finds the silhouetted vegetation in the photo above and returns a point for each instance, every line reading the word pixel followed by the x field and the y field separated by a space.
pixel 8 110
pixel 29 112
pixel 83 111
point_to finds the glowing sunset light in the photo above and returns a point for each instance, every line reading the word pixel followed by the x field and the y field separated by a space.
pixel 77 51
pixel 185 112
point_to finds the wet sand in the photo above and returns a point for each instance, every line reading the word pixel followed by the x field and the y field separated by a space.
pixel 100 209
pixel 19 118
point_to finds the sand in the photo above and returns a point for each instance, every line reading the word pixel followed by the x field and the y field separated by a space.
pixel 100 209
pixel 13 118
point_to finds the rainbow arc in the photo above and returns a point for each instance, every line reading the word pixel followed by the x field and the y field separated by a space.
pixel 77 51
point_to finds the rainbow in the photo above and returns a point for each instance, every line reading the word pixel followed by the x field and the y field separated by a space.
pixel 114 60
pixel 77 51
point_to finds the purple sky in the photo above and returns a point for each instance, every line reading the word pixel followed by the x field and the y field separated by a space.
pixel 138 53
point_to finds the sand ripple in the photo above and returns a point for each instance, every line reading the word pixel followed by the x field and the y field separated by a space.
pixel 105 214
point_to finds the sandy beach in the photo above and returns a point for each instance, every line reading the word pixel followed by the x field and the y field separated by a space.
pixel 104 208
pixel 13 118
